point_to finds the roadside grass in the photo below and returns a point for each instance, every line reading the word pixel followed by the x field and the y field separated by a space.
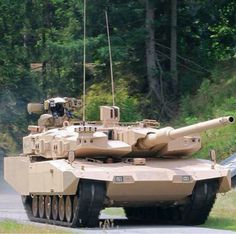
pixel 9 226
pixel 223 214
pixel 114 211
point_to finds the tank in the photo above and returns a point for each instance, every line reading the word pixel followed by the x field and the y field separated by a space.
pixel 70 170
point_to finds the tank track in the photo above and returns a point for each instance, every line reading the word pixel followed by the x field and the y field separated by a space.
pixel 233 181
pixel 90 196
pixel 194 212
pixel 201 202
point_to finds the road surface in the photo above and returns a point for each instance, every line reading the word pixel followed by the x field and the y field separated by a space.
pixel 11 208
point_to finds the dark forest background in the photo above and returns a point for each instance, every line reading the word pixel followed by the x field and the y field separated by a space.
pixel 173 61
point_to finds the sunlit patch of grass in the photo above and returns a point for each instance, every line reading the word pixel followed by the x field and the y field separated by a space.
pixel 223 214
pixel 221 223
pixel 114 211
pixel 9 226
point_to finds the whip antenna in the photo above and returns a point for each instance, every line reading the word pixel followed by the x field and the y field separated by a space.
pixel 109 46
pixel 84 101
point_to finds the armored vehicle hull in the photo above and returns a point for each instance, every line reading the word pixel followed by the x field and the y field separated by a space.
pixel 73 193
pixel 69 171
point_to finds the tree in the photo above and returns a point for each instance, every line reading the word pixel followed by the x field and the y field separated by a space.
pixel 51 32
pixel 173 47
pixel 154 69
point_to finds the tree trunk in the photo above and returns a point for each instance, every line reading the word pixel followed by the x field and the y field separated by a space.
pixel 151 57
pixel 173 55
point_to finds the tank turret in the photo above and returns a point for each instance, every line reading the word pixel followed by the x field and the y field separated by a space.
pixel 111 138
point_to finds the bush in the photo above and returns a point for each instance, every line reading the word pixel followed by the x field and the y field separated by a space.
pixel 100 95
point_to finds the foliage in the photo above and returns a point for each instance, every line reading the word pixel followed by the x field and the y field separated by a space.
pixel 51 33
pixel 12 121
pixel 223 33
pixel 100 94
pixel 215 98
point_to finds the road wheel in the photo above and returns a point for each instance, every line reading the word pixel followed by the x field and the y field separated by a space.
pixel 68 209
pixel 75 206
pixel 35 209
pixel 61 208
pixel 55 207
pixel 48 207
pixel 41 206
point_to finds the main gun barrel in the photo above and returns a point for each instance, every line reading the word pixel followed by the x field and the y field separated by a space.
pixel 200 127
pixel 164 135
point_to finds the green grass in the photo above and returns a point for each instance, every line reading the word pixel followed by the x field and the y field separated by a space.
pixel 114 211
pixel 8 226
pixel 223 214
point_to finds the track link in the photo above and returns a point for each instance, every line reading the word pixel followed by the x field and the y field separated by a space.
pixel 90 197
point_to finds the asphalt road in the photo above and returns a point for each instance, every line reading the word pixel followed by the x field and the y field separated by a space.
pixel 11 208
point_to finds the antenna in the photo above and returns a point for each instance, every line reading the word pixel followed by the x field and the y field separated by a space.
pixel 84 101
pixel 109 45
